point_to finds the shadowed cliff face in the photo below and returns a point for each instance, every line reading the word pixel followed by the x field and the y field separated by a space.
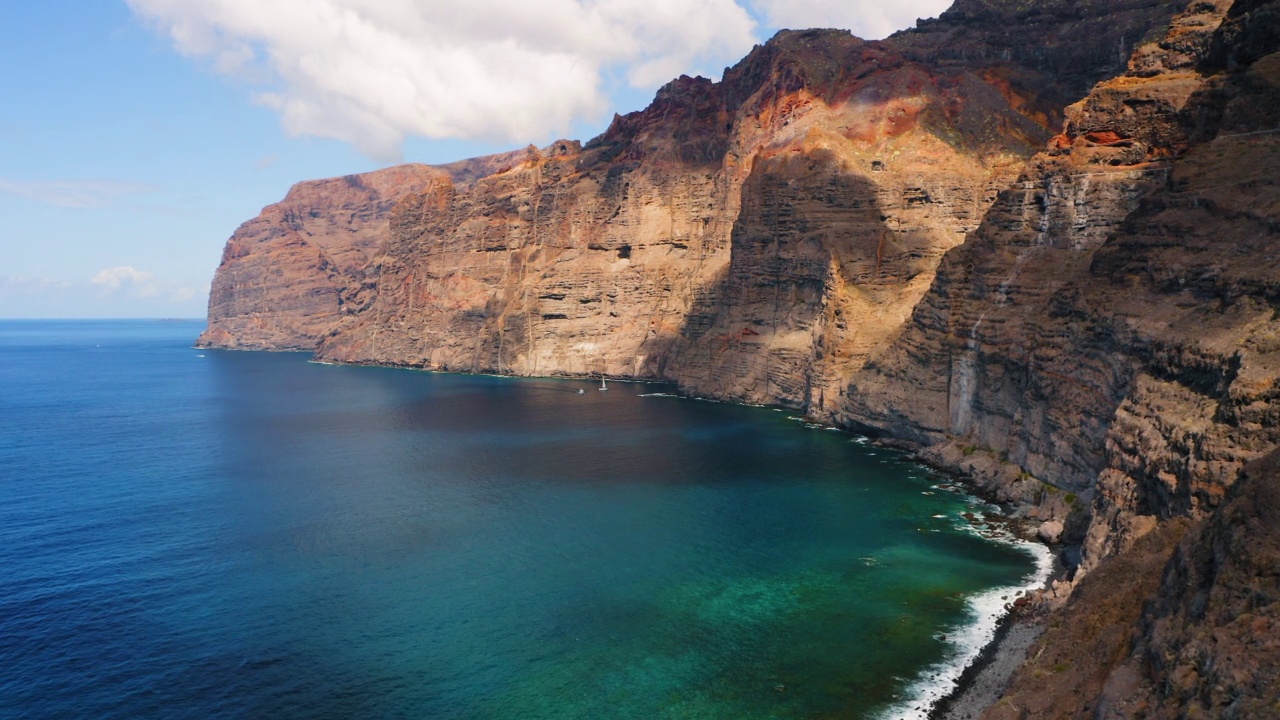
pixel 1051 52
pixel 1111 326
pixel 754 239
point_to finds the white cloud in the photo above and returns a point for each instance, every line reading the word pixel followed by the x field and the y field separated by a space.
pixel 25 285
pixel 139 283
pixel 183 294
pixel 871 19
pixel 371 72
pixel 73 193
pixel 112 292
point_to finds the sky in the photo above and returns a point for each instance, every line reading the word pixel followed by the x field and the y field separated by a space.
pixel 136 135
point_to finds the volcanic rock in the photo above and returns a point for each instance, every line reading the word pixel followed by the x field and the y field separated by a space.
pixel 1036 241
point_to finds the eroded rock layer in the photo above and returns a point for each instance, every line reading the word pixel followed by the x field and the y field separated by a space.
pixel 758 239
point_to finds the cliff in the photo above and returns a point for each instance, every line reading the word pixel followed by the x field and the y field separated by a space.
pixel 283 274
pixel 1035 241
pixel 1105 343
pixel 758 239
pixel 279 285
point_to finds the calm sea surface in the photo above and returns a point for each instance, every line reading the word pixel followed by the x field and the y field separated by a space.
pixel 195 534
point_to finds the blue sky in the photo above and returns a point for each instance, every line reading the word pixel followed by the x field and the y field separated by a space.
pixel 136 136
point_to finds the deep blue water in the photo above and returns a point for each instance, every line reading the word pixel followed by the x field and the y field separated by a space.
pixel 193 534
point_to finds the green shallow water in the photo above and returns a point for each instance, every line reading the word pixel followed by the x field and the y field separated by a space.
pixel 190 534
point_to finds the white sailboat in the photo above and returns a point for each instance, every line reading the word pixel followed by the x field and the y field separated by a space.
pixel 603 386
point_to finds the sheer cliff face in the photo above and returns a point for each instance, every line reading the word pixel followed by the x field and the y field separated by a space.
pixel 754 239
pixel 283 275
pixel 757 239
pixel 1112 326
pixel 779 237
pixel 280 283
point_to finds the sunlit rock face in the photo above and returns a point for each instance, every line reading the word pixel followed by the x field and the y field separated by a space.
pixel 282 274
pixel 760 238
pixel 282 277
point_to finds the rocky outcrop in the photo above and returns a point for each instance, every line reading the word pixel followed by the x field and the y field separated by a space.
pixel 280 283
pixel 283 275
pixel 1170 629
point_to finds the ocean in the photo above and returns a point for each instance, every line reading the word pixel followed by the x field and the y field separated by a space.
pixel 193 534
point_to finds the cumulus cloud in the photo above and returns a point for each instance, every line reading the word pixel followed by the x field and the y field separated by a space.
pixel 870 19
pixel 371 72
pixel 138 282
pixel 73 193
pixel 131 282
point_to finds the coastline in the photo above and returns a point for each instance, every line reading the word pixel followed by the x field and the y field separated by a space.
pixel 986 671
pixel 988 649
pixel 983 683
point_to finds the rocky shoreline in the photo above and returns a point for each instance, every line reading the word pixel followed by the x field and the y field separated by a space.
pixel 985 680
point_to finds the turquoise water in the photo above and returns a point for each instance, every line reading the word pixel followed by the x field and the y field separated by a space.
pixel 189 533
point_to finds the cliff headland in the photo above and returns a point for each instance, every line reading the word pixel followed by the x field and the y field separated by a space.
pixel 1035 241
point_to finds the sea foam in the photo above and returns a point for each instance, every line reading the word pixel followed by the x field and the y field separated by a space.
pixel 987 609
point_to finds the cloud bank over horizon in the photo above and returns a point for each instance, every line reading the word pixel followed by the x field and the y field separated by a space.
pixel 118 291
pixel 76 194
pixel 374 72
